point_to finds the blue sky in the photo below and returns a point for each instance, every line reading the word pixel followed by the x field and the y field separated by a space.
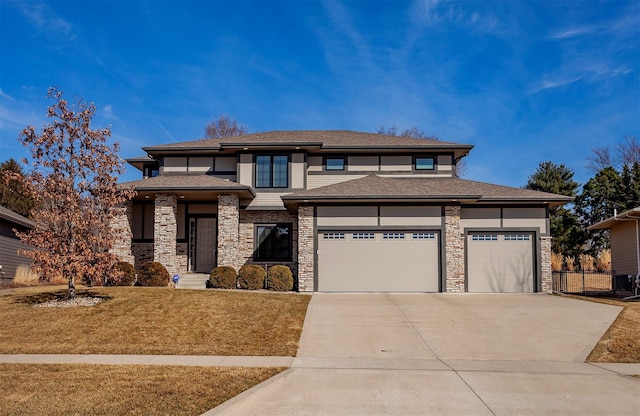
pixel 524 82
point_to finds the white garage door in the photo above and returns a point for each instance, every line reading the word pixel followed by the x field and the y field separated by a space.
pixel 499 262
pixel 378 261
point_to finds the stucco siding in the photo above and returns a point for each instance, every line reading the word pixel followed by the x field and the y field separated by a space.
pixel 347 216
pixel 314 164
pixel 526 218
pixel 174 164
pixel 267 200
pixel 480 217
pixel 445 164
pixel 245 170
pixel 411 216
pixel 362 164
pixel 226 164
pixel 396 163
pixel 297 171
pixel 200 164
pixel 623 248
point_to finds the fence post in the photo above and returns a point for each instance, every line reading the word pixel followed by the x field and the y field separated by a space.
pixel 583 281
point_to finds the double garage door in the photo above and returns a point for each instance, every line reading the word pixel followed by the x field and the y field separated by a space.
pixel 389 261
pixel 409 261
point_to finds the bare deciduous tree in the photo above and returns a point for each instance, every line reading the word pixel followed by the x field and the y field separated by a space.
pixel 224 126
pixel 74 176
pixel 626 154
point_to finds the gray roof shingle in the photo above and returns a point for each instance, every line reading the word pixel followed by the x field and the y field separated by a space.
pixel 200 182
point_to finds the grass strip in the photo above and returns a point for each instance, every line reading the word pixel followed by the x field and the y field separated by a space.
pixel 77 389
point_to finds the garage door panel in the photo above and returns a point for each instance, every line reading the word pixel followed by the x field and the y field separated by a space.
pixel 378 262
pixel 500 263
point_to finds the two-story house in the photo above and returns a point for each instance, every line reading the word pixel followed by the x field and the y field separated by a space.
pixel 347 211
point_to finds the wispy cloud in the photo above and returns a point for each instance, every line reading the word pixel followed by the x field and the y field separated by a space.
pixel 6 96
pixel 434 12
pixel 575 32
pixel 554 83
pixel 44 18
pixel 107 112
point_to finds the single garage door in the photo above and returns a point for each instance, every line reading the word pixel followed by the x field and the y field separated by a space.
pixel 378 261
pixel 500 262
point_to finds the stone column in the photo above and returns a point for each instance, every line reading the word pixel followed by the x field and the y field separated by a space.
pixel 165 231
pixel 545 264
pixel 454 249
pixel 120 225
pixel 305 249
pixel 228 231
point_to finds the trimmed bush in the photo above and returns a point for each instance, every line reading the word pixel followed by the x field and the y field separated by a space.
pixel 223 277
pixel 127 274
pixel 251 277
pixel 280 278
pixel 153 273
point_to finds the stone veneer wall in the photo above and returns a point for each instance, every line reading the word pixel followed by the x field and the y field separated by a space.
pixel 165 231
pixel 454 249
pixel 306 234
pixel 142 253
pixel 545 264
pixel 246 238
pixel 120 225
pixel 228 228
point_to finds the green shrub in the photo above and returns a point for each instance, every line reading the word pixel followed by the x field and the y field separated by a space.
pixel 280 278
pixel 223 277
pixel 251 277
pixel 152 273
pixel 127 274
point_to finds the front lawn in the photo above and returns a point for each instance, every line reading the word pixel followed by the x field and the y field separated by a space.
pixel 137 320
pixel 66 389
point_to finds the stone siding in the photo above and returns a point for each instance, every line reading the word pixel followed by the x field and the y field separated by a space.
pixel 454 250
pixel 142 253
pixel 306 250
pixel 120 225
pixel 165 231
pixel 228 228
pixel 545 264
pixel 246 238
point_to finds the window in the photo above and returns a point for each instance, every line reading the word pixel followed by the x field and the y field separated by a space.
pixel 424 163
pixel 363 236
pixel 333 236
pixel 273 242
pixel 393 236
pixel 272 171
pixel 334 163
pixel 484 237
pixel 517 237
pixel 424 236
pixel 151 171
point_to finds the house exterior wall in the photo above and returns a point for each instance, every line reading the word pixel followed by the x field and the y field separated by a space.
pixel 246 237
pixel 624 244
pixel 228 231
pixel 454 250
pixel 165 232
pixel 306 249
pixel 10 260
pixel 121 230
pixel 545 265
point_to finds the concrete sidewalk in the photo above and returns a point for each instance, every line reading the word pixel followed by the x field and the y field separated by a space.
pixel 382 354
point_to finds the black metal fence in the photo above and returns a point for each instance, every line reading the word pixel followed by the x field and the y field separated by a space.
pixel 585 282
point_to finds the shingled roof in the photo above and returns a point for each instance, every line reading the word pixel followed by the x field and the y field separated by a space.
pixel 320 139
pixel 200 182
pixel 374 187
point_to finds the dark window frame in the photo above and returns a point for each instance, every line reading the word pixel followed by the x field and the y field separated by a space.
pixel 267 250
pixel 433 163
pixel 341 169
pixel 272 180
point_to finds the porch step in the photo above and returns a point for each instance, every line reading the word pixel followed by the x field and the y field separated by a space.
pixel 193 281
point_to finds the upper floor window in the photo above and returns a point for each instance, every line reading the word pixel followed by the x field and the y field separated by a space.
pixel 151 171
pixel 272 171
pixel 424 163
pixel 334 163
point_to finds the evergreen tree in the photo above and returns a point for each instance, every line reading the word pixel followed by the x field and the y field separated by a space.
pixel 14 192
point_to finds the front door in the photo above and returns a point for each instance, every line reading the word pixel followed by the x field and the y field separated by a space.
pixel 205 245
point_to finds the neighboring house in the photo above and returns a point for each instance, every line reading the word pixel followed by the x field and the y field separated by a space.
pixel 10 260
pixel 347 211
pixel 624 236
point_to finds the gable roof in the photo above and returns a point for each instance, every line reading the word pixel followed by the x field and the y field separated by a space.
pixel 12 216
pixel 632 214
pixel 374 187
pixel 335 140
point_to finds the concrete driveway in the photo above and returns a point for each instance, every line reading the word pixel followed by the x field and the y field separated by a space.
pixel 445 354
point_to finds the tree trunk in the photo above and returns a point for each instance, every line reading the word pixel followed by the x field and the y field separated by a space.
pixel 72 288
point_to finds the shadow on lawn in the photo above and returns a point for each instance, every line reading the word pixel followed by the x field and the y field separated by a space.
pixel 59 295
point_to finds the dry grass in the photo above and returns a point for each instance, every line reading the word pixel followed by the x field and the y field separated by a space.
pixel 556 262
pixel 153 321
pixel 73 389
pixel 25 277
pixel 603 261
pixel 621 342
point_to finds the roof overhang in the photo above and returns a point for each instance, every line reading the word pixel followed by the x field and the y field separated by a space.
pixel 632 214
